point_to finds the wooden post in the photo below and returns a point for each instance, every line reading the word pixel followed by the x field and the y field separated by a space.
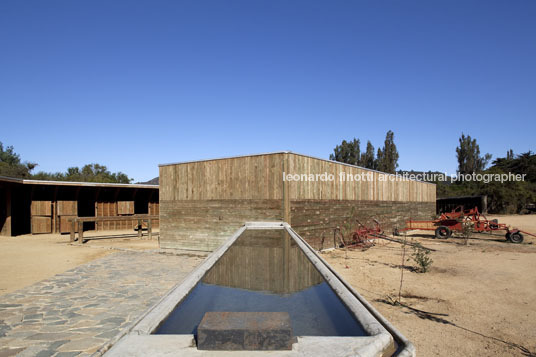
pixel 150 228
pixel 97 192
pixel 72 230
pixel 286 191
pixel 6 228
pixel 139 229
pixel 80 232
pixel 31 202
pixel 335 238
pixel 286 218
pixel 116 195
pixel 55 211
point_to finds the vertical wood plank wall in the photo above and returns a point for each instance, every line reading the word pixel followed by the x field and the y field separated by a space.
pixel 202 203
pixel 49 208
pixel 112 209
pixel 317 207
pixel 381 188
pixel 154 209
pixel 248 178
pixel 41 212
pixel 66 210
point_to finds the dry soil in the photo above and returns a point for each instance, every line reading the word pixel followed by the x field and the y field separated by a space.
pixel 27 259
pixel 477 300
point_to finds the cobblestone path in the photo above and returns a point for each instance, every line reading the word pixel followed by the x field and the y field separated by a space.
pixel 76 312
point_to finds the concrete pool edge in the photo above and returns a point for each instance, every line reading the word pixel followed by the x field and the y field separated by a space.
pixel 406 348
pixel 379 342
pixel 184 345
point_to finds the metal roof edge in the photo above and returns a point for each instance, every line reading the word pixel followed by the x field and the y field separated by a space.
pixel 74 183
pixel 11 179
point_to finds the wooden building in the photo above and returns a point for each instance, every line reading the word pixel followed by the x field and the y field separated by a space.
pixel 33 206
pixel 203 202
pixel 449 203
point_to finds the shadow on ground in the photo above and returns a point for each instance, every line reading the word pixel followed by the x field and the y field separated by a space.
pixel 440 318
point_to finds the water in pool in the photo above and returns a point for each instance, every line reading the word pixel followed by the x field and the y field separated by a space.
pixel 264 270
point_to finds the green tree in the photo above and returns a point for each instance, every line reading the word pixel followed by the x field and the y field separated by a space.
pixel 11 165
pixel 468 155
pixel 88 173
pixel 379 159
pixel 524 163
pixel 368 159
pixel 510 154
pixel 347 152
pixel 387 158
pixel 505 197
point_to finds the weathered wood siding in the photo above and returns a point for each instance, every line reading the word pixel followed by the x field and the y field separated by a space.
pixel 252 177
pixel 202 203
pixel 154 210
pixel 112 209
pixel 125 208
pixel 28 206
pixel 41 224
pixel 41 216
pixel 381 188
pixel 41 208
pixel 66 210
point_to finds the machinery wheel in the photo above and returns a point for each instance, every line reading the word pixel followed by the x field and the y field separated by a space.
pixel 494 224
pixel 443 232
pixel 516 237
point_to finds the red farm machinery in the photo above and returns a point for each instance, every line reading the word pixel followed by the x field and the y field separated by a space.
pixel 460 219
pixel 365 236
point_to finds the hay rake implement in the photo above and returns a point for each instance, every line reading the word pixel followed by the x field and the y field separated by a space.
pixel 459 219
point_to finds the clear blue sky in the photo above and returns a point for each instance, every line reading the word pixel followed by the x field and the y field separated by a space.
pixel 131 84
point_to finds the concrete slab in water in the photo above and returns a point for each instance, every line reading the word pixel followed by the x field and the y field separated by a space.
pixel 245 331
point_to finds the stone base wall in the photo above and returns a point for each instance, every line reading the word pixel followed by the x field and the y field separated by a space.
pixel 314 219
pixel 205 224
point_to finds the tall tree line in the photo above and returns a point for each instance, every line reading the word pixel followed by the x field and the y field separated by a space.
pixel 468 155
pixel 506 197
pixel 386 158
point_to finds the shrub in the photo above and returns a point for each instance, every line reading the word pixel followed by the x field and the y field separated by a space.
pixel 421 257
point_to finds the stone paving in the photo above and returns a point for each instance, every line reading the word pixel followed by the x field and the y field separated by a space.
pixel 76 312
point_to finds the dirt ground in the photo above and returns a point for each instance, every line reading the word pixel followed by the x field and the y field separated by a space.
pixel 27 259
pixel 476 300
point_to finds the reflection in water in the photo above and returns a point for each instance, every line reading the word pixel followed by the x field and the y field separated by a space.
pixel 264 260
pixel 264 270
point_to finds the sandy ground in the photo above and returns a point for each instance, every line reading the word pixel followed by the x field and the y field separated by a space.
pixel 477 300
pixel 523 222
pixel 27 259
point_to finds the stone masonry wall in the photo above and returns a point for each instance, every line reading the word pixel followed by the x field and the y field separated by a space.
pixel 313 219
